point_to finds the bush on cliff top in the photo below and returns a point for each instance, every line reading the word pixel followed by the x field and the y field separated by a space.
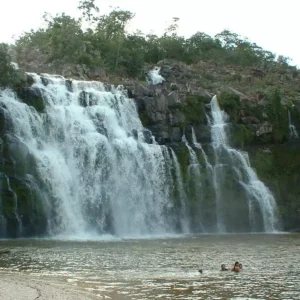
pixel 107 44
pixel 7 73
pixel 9 77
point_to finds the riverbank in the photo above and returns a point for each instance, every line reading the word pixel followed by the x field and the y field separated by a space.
pixel 18 286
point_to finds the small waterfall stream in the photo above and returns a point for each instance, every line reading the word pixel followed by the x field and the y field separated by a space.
pixel 293 130
pixel 231 163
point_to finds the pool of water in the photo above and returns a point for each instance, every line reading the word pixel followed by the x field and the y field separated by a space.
pixel 165 268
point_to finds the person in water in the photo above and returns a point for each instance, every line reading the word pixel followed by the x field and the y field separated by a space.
pixel 241 267
pixel 236 267
pixel 223 268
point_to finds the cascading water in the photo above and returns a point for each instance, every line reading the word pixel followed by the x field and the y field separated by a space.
pixel 198 146
pixel 154 77
pixel 182 195
pixel 233 166
pixel 82 165
pixel 293 130
pixel 194 182
pixel 95 170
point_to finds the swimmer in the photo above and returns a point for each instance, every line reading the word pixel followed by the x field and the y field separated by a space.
pixel 236 267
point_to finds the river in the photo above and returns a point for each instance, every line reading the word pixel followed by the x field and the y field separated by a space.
pixel 165 268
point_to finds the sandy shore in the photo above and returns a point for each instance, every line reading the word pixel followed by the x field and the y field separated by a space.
pixel 21 287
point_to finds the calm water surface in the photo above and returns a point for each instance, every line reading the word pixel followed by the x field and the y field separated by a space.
pixel 166 268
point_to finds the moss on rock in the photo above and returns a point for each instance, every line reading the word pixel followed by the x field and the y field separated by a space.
pixel 194 109
pixel 278 166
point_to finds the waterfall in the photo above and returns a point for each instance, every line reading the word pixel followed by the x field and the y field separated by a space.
pixel 232 165
pixel 293 130
pixel 154 77
pixel 94 168
pixel 198 146
pixel 182 195
pixel 195 184
pixel 77 162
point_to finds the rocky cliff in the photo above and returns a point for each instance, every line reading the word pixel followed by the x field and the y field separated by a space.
pixel 262 105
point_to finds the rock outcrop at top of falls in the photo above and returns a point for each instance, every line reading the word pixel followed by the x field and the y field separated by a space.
pixel 176 104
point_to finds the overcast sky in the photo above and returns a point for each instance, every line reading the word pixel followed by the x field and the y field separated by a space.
pixel 272 24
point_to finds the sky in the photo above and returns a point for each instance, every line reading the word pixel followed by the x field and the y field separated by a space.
pixel 272 24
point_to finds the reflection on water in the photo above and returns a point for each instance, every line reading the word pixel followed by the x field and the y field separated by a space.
pixel 167 268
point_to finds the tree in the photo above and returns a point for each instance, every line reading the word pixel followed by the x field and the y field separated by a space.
pixel 172 29
pixel 201 46
pixel 88 9
pixel 7 71
pixel 110 35
pixel 65 37
pixel 229 39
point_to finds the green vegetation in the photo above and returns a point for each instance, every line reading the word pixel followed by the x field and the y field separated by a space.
pixel 102 41
pixel 9 77
pixel 7 74
pixel 278 116
pixel 231 104
pixel 279 169
pixel 194 109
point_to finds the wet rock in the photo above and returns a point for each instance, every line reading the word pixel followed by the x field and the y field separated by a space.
pixel 69 85
pixel 147 136
pixel 175 134
pixel 33 96
pixel 202 133
pixel 7 166
pixel 29 79
pixel 87 99
pixel 44 80
pixel 160 132
pixel 134 133
pixel 137 90
pixel 2 121
pixel 140 104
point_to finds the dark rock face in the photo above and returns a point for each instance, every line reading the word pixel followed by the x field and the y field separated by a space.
pixel 21 208
pixel 165 111
pixel 87 99
pixel 33 96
